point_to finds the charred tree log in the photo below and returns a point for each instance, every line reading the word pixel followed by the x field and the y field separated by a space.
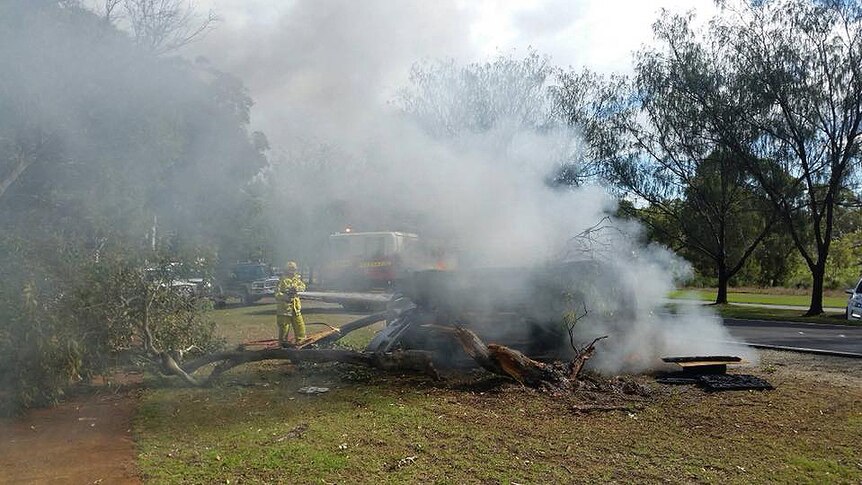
pixel 475 348
pixel 411 360
pixel 526 370
pixel 504 361
pixel 583 355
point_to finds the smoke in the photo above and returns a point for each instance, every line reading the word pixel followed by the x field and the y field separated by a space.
pixel 324 70
pixel 627 302
pixel 326 77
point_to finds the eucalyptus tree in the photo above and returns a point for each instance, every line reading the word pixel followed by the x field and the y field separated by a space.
pixel 98 137
pixel 778 84
pixel 651 142
pixel 450 100
pixel 508 94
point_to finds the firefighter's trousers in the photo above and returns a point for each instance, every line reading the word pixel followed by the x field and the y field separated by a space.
pixel 291 320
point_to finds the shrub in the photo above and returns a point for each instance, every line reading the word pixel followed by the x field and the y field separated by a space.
pixel 67 323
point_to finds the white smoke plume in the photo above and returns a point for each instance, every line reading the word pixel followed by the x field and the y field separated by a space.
pixel 324 73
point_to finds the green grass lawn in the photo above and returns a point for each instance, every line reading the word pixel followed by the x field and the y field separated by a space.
pixel 762 298
pixel 756 313
pixel 256 428
pixel 760 313
pixel 375 428
pixel 257 322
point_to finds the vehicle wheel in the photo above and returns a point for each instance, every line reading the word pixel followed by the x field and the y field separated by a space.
pixel 246 299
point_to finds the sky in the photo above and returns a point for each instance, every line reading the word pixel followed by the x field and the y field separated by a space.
pixel 600 34
pixel 311 51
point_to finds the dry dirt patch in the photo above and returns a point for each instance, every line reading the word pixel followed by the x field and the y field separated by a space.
pixel 835 371
pixel 87 439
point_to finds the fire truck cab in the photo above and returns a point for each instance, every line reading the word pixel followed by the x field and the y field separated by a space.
pixel 365 261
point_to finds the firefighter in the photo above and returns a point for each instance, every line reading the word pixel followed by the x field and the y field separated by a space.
pixel 289 311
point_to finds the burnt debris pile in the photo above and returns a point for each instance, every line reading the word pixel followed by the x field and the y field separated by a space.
pixel 710 373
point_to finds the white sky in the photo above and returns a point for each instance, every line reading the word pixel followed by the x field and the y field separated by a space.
pixel 600 34
pixel 323 55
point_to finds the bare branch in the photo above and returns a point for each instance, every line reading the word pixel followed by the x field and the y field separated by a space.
pixel 108 10
pixel 594 241
pixel 166 25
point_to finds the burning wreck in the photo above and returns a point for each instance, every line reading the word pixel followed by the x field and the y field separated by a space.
pixel 443 319
pixel 531 310
pixel 538 325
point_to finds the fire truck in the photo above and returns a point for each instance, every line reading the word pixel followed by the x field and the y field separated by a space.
pixel 376 261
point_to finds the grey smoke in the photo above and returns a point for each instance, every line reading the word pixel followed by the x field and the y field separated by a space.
pixel 325 73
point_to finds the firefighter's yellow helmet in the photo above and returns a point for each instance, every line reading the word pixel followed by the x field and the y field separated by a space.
pixel 291 266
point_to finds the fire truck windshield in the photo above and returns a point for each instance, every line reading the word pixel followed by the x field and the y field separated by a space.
pixel 361 246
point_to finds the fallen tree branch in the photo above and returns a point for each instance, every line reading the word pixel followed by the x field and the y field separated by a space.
pixel 474 347
pixel 354 325
pixel 409 360
pixel 502 360
pixel 170 365
pixel 192 365
pixel 582 357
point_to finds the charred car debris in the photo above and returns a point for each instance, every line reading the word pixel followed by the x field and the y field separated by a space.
pixel 710 373
pixel 517 322
pixel 521 308
pixel 536 300
pixel 441 319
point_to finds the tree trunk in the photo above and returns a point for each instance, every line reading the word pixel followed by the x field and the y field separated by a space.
pixel 501 360
pixel 723 279
pixel 354 325
pixel 408 360
pixel 818 273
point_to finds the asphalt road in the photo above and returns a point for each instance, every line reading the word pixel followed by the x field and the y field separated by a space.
pixel 835 338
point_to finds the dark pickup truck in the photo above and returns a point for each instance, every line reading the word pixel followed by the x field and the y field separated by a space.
pixel 249 282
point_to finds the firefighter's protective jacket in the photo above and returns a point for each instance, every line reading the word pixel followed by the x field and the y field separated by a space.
pixel 286 287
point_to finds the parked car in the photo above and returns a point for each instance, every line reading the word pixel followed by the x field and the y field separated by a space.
pixel 180 278
pixel 854 303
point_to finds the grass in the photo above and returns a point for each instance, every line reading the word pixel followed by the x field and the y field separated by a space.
pixel 758 313
pixel 373 428
pixel 760 298
pixel 780 297
pixel 241 324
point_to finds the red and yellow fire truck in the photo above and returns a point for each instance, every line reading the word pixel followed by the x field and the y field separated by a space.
pixel 366 261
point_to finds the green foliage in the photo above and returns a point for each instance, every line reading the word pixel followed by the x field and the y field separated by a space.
pixel 39 356
pixel 776 85
pixel 108 154
pixel 66 322
pixel 844 267
pixel 114 141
